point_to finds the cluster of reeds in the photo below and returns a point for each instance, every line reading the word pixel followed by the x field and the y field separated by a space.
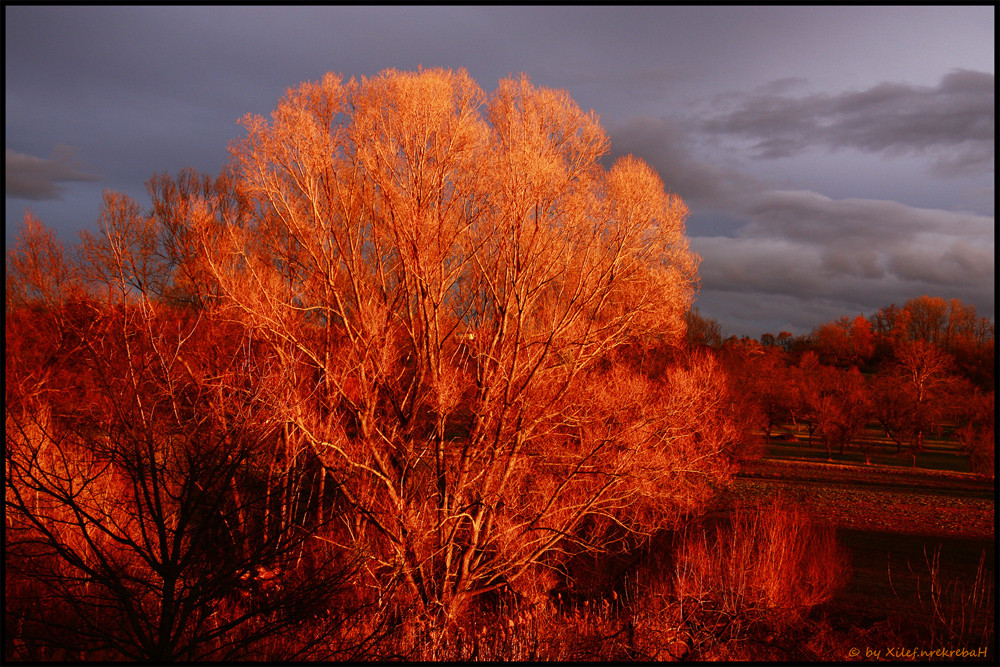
pixel 962 613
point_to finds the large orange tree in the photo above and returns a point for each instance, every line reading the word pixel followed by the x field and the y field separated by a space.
pixel 450 281
pixel 464 314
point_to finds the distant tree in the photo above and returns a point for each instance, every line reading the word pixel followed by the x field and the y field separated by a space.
pixel 893 409
pixel 952 326
pixel 702 331
pixel 928 372
pixel 931 320
pixel 970 341
pixel 840 406
pixel 884 322
pixel 785 341
pixel 831 402
pixel 742 345
pixel 845 343
pixel 912 391
pixel 926 319
pixel 888 328
pixel 804 394
pixel 765 380
pixel 976 420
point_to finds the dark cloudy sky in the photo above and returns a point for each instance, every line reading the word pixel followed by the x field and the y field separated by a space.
pixel 835 159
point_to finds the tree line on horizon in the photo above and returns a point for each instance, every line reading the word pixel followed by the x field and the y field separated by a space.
pixel 925 367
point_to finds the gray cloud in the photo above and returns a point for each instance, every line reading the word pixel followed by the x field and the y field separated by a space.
pixel 35 178
pixel 666 144
pixel 952 123
pixel 812 217
pixel 860 253
pixel 798 251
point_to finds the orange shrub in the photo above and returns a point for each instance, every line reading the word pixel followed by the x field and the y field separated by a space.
pixel 766 563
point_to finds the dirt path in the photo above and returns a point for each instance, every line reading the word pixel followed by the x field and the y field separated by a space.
pixel 949 505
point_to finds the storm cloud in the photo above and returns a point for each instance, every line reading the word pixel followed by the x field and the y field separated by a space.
pixel 807 247
pixel 810 253
pixel 35 178
pixel 667 144
pixel 952 124
pixel 814 256
pixel 834 159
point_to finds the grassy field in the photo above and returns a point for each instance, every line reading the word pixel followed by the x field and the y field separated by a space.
pixel 922 545
pixel 940 452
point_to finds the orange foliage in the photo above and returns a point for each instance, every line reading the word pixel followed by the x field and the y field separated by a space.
pixel 447 269
pixel 415 324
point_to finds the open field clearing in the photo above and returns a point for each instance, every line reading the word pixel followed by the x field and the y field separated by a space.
pixel 938 496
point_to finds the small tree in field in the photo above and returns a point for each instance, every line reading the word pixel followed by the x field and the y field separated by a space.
pixel 768 383
pixel 976 431
pixel 836 404
pixel 446 277
pixel 924 374
pixel 892 407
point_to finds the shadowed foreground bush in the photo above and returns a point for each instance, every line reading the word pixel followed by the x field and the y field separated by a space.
pixel 767 562
pixel 757 571
pixel 737 586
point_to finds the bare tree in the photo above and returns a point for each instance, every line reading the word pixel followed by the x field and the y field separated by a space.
pixel 835 403
pixel 136 517
pixel 39 274
pixel 924 372
pixel 892 407
pixel 445 279
pixel 977 429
